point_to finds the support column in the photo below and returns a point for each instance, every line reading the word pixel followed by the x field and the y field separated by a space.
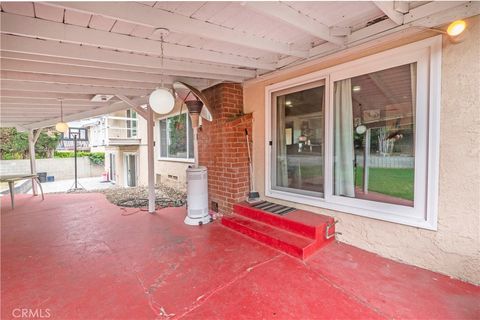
pixel 151 161
pixel 31 151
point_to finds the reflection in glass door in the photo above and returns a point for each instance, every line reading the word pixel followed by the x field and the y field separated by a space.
pixel 374 136
pixel 298 164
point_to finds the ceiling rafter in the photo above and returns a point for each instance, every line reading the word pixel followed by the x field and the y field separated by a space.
pixel 388 7
pixel 31 102
pixel 32 27
pixel 116 106
pixel 69 88
pixel 117 77
pixel 296 19
pixel 139 14
pixel 86 55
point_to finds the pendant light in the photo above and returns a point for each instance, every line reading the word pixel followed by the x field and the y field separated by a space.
pixel 61 126
pixel 161 100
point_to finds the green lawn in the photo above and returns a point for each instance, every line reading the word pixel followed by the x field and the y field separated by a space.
pixel 389 181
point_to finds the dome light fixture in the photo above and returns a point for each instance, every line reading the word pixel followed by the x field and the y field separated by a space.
pixel 61 126
pixel 456 28
pixel 162 100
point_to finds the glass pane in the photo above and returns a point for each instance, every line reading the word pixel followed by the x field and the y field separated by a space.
pixel 177 136
pixel 163 138
pixel 374 135
pixel 299 140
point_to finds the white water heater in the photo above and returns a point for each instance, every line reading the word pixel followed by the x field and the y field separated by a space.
pixel 197 197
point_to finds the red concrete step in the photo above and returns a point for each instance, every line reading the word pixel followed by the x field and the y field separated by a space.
pixel 290 243
pixel 301 222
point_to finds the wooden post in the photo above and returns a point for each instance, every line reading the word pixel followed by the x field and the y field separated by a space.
pixel 366 160
pixel 151 161
pixel 31 151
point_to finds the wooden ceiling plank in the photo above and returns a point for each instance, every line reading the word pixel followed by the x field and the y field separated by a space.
pixel 32 27
pixel 296 19
pixel 17 44
pixel 142 15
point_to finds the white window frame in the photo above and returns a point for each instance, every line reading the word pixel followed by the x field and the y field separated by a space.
pixel 160 158
pixel 427 54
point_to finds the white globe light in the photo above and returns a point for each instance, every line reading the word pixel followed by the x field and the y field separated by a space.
pixel 162 101
pixel 61 127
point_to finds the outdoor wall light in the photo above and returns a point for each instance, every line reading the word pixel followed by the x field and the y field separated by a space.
pixel 61 126
pixel 456 28
pixel 456 31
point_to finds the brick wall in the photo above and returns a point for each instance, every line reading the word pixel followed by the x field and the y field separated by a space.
pixel 222 146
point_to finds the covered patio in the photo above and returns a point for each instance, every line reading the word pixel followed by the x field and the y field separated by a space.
pixel 77 256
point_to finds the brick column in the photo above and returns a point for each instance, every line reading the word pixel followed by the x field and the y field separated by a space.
pixel 222 147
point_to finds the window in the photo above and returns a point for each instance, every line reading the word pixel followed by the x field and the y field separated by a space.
pixel 361 137
pixel 131 124
pixel 374 121
pixel 176 137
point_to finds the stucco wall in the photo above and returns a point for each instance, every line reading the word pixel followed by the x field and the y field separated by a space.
pixel 60 168
pixel 454 248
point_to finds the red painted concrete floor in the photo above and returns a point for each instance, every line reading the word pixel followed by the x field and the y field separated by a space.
pixel 77 256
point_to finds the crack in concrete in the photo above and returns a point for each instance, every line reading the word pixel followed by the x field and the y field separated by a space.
pixel 349 294
pixel 204 297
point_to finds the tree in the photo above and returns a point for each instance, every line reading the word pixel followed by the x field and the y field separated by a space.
pixel 14 144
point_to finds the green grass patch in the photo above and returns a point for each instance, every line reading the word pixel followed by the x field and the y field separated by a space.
pixel 389 181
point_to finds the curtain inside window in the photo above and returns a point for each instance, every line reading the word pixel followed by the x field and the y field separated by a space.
pixel 344 148
pixel 282 173
pixel 413 83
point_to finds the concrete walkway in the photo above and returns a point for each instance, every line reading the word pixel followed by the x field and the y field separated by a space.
pixel 89 184
pixel 77 256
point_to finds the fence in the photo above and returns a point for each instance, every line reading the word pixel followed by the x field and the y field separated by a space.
pixel 60 168
pixel 388 161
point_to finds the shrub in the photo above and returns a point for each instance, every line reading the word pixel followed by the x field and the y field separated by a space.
pixel 97 158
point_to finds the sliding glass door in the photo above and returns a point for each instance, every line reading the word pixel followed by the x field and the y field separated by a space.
pixel 298 164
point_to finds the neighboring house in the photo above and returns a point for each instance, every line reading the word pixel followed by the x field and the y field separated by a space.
pixel 67 141
pixel 122 136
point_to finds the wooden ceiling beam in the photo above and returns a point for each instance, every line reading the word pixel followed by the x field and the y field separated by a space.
pixel 296 19
pixel 37 28
pixel 152 17
pixel 53 51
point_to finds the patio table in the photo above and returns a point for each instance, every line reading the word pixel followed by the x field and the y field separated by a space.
pixel 11 178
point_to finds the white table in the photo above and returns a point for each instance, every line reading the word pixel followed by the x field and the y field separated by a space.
pixel 11 178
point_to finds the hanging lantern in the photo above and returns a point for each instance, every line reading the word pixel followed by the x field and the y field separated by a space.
pixel 161 101
pixel 61 126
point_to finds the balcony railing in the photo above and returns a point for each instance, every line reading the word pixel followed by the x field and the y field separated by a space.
pixel 114 131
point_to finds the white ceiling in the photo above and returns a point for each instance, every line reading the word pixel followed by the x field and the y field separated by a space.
pixel 74 50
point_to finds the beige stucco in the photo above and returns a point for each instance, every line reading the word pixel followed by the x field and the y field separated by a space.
pixel 163 168
pixel 454 248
